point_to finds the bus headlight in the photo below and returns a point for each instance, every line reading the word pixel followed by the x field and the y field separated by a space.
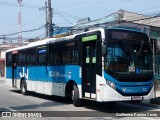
pixel 111 84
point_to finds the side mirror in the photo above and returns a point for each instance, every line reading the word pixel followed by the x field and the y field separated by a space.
pixel 104 51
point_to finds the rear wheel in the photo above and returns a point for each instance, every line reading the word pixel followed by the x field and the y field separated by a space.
pixel 24 88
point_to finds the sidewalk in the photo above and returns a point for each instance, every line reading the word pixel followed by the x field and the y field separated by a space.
pixel 2 78
pixel 157 99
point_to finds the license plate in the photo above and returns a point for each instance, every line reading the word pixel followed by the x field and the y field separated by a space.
pixel 136 98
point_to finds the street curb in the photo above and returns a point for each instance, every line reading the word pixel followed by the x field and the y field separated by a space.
pixel 152 101
pixel 2 78
pixel 155 100
pixel 147 101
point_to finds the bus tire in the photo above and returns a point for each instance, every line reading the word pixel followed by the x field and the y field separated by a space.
pixel 24 88
pixel 75 96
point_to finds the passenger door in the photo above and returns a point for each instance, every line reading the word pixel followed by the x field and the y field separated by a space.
pixel 14 68
pixel 89 59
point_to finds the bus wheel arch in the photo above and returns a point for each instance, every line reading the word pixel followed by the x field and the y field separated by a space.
pixel 23 86
pixel 72 92
pixel 69 88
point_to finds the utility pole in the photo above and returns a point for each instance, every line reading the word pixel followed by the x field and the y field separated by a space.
pixel 46 12
pixel 50 27
pixel 19 23
pixel 4 38
pixel 46 9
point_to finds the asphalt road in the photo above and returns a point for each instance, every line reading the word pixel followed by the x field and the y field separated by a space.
pixel 51 107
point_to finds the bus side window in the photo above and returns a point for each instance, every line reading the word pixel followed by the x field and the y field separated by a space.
pixel 42 57
pixel 21 57
pixel 70 53
pixel 55 53
pixel 8 59
pixel 31 56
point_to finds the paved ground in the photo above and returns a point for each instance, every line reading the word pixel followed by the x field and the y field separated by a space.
pixel 153 101
pixel 13 101
pixel 157 99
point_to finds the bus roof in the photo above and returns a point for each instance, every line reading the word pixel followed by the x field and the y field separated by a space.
pixel 127 29
pixel 50 40
pixel 33 44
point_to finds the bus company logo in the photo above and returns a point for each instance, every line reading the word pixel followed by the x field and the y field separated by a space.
pixel 54 74
pixel 22 73
pixel 124 89
pixel 69 74
pixel 57 74
pixel 145 89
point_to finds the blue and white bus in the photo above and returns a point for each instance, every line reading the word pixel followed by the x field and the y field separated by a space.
pixel 104 65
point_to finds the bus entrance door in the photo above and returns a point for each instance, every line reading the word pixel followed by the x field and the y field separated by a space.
pixel 89 70
pixel 14 68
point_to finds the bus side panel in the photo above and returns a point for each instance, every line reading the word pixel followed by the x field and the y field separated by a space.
pixel 49 80
pixel 32 75
pixel 20 73
pixel 43 86
pixel 29 73
pixel 8 76
pixel 60 75
pixel 42 73
pixel 74 72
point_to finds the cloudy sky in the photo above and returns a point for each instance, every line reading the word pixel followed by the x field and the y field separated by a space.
pixel 65 13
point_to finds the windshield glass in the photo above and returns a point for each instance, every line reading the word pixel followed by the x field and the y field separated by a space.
pixel 128 57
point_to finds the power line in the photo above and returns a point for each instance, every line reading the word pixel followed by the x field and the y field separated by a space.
pixel 65 19
pixel 41 35
pixel 31 21
pixel 30 6
pixel 31 30
pixel 74 4
pixel 84 3
pixel 151 13
pixel 11 34
pixel 66 14
pixel 15 4
pixel 149 8
pixel 8 3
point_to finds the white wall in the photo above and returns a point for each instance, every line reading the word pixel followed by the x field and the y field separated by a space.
pixel 2 54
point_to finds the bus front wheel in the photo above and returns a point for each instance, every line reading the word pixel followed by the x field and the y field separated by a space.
pixel 75 97
pixel 24 87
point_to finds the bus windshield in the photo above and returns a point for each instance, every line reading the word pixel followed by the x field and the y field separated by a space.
pixel 127 57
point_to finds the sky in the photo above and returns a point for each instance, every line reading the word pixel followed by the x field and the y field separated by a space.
pixel 65 13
